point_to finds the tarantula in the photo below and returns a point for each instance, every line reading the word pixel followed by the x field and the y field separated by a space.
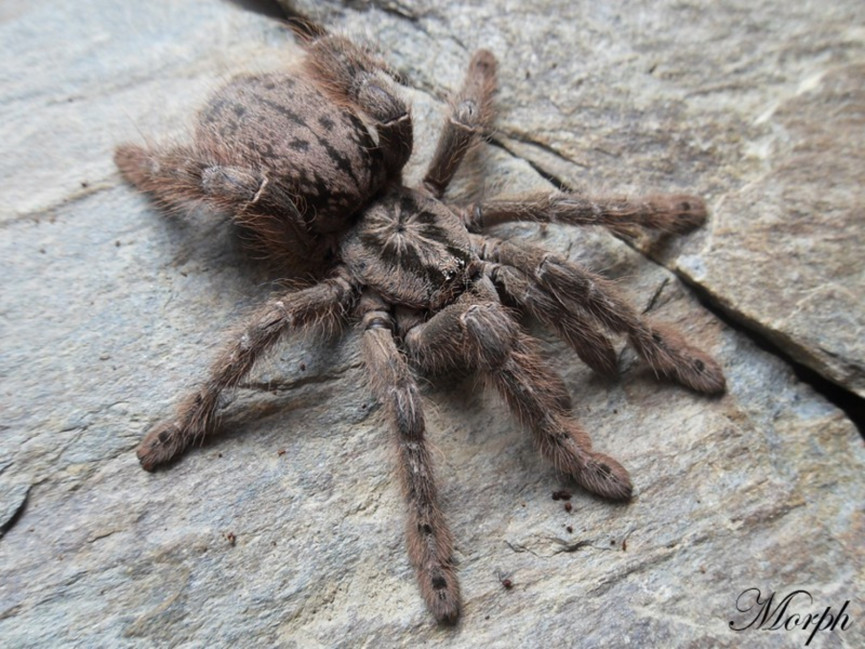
pixel 308 162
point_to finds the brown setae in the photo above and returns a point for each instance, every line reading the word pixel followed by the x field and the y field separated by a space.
pixel 309 162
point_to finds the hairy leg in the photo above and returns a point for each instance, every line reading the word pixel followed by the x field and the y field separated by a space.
pixel 430 543
pixel 517 290
pixel 320 306
pixel 674 213
pixel 350 72
pixel 173 177
pixel 478 331
pixel 182 178
pixel 581 290
pixel 470 113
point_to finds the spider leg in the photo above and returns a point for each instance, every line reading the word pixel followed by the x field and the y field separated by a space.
pixel 581 290
pixel 470 113
pixel 354 75
pixel 322 305
pixel 517 290
pixel 180 177
pixel 172 176
pixel 266 208
pixel 674 213
pixel 430 543
pixel 478 329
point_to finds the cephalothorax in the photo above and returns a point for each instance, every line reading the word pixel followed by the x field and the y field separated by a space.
pixel 309 164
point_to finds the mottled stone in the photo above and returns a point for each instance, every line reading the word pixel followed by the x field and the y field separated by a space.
pixel 287 530
pixel 786 252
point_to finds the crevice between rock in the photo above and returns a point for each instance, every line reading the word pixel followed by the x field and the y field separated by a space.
pixel 13 514
pixel 550 178
pixel 846 400
pixel 269 8
pixel 849 402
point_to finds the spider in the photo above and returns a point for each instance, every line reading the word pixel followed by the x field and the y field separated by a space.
pixel 308 162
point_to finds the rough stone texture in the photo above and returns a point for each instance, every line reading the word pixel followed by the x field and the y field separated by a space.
pixel 109 309
pixel 786 253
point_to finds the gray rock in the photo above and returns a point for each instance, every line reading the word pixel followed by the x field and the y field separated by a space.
pixel 287 530
pixel 786 253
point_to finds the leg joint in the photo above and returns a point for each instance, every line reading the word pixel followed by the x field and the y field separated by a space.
pixel 491 334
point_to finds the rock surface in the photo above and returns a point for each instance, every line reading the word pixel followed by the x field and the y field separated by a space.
pixel 287 529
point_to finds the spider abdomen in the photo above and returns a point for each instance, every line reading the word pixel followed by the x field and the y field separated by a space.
pixel 283 128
